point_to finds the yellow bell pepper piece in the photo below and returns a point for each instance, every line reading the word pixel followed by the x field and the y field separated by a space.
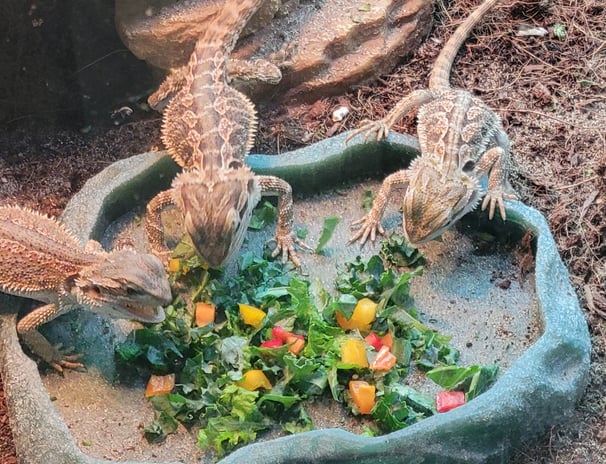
pixel 353 351
pixel 364 314
pixel 253 380
pixel 251 316
pixel 174 265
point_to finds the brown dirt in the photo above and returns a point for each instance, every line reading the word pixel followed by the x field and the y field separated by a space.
pixel 551 95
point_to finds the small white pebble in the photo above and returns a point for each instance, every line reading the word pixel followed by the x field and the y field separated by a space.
pixel 527 30
pixel 340 113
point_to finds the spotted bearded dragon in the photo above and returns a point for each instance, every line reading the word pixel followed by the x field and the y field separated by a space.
pixel 208 129
pixel 43 261
pixel 461 139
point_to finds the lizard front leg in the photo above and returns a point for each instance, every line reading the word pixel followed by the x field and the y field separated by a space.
pixel 285 238
pixel 378 130
pixel 169 87
pixel 38 344
pixel 262 70
pixel 259 70
pixel 371 223
pixel 267 70
pixel 494 162
pixel 153 224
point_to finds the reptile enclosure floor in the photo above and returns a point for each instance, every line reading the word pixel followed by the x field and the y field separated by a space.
pixel 478 298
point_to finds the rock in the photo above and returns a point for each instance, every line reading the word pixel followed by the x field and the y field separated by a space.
pixel 338 43
pixel 163 32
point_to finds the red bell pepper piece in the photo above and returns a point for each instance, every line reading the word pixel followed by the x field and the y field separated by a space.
pixel 280 333
pixel 374 340
pixel 273 343
pixel 447 400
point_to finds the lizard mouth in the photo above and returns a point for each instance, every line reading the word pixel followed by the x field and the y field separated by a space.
pixel 148 314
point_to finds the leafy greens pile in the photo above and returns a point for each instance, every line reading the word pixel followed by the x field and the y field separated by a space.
pixel 209 361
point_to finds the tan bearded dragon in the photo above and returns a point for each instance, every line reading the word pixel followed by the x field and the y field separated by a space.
pixel 462 140
pixel 208 129
pixel 43 261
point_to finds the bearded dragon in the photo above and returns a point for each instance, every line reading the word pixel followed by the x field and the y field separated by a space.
pixel 42 260
pixel 208 129
pixel 462 140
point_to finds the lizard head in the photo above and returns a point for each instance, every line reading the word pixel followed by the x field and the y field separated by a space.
pixel 435 200
pixel 124 284
pixel 217 210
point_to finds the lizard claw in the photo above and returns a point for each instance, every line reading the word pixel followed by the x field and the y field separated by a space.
pixel 164 257
pixel 286 244
pixel 494 198
pixel 369 228
pixel 372 130
pixel 67 362
pixel 284 56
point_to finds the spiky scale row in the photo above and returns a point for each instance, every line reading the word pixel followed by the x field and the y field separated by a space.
pixel 37 251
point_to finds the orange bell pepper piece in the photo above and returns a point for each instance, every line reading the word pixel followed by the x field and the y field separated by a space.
pixel 159 385
pixel 387 340
pixel 384 360
pixel 296 342
pixel 363 395
pixel 205 314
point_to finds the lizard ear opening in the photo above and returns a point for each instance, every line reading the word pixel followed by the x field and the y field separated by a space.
pixel 92 291
pixel 83 286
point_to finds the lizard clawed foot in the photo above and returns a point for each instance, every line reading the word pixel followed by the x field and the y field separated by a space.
pixel 495 198
pixel 283 57
pixel 267 70
pixel 372 130
pixel 163 254
pixel 286 244
pixel 369 228
pixel 61 362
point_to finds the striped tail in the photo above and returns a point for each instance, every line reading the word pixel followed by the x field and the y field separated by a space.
pixel 440 74
pixel 225 28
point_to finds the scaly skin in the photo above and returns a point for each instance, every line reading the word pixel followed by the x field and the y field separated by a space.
pixel 462 141
pixel 209 129
pixel 43 261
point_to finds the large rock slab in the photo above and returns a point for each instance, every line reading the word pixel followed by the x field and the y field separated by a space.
pixel 338 43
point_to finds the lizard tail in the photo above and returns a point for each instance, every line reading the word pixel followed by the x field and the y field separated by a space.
pixel 224 29
pixel 440 75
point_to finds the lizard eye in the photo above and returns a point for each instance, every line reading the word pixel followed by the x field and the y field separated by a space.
pixel 132 291
pixel 468 166
pixel 235 164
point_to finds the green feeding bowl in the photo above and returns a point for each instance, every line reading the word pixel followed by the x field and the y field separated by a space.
pixel 537 389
